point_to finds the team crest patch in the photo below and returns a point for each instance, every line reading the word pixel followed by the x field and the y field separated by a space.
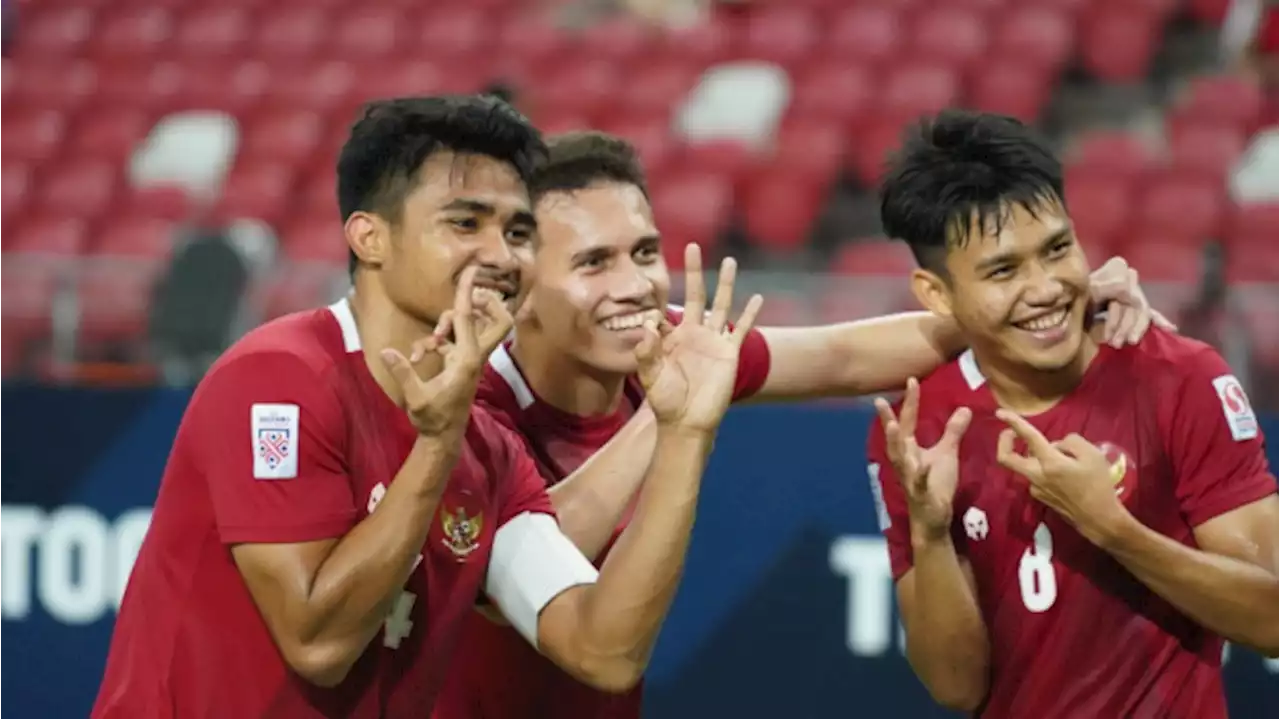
pixel 1235 407
pixel 461 531
pixel 275 438
pixel 1120 468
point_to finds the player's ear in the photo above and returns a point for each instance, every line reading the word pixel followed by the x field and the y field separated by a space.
pixel 931 291
pixel 368 236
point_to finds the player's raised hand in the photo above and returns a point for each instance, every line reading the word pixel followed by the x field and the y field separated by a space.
pixel 464 337
pixel 929 475
pixel 1071 476
pixel 688 371
pixel 1129 314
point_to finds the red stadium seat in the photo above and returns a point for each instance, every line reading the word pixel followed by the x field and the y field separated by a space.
pixel 297 289
pixel 874 258
pixel 49 235
pixel 1118 153
pixel 319 86
pixel 28 290
pixel 620 40
pixel 835 89
pixel 1209 12
pixel 812 148
pixel 1253 262
pixel 581 87
pixel 144 237
pixel 726 158
pixel 141 84
pixel 525 41
pixel 166 202
pixel 651 137
pixel 658 86
pixel 949 35
pixel 701 44
pixel 231 88
pixel 1255 224
pixel 870 146
pixel 366 32
pixel 138 32
pixel 1183 208
pixel 785 309
pixel 865 33
pixel 1036 35
pixel 49 84
pixel 1159 260
pixel 914 89
pixel 213 31
pixel 289 136
pixel 382 79
pixel 1234 101
pixel 779 208
pixel 844 300
pixel 115 299
pixel 1100 205
pixel 556 122
pixel 779 33
pixel 54 31
pixel 315 238
pixel 1205 148
pixel 109 133
pixel 452 31
pixel 1118 43
pixel 32 135
pixel 257 190
pixel 297 31
pixel 1010 86
pixel 690 206
pixel 80 189
pixel 15 187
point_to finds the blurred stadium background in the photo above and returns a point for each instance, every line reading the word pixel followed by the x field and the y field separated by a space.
pixel 168 182
pixel 168 164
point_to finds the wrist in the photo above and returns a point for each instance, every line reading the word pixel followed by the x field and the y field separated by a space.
pixel 929 535
pixel 1110 529
pixel 675 429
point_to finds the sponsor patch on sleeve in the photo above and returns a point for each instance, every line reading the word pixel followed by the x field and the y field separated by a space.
pixel 1235 407
pixel 274 429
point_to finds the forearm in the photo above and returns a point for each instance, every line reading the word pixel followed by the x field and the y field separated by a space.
pixel 589 503
pixel 622 613
pixel 362 577
pixel 855 358
pixel 946 636
pixel 1227 596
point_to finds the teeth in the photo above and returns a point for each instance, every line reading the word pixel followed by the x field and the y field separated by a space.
pixel 1046 322
pixel 479 293
pixel 631 321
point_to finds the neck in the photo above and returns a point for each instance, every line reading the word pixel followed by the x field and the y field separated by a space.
pixel 563 382
pixel 1030 391
pixel 382 325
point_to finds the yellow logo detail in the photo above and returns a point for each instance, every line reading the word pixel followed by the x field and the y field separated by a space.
pixel 461 533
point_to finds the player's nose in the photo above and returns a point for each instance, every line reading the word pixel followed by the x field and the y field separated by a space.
pixel 1043 287
pixel 631 284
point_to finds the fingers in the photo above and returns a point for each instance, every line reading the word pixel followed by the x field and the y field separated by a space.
pixel 1127 320
pixel 496 325
pixel 1164 323
pixel 955 428
pixel 723 301
pixel 695 292
pixel 646 350
pixel 746 320
pixel 1076 446
pixel 1110 281
pixel 402 370
pixel 910 407
pixel 1008 458
pixel 463 320
pixel 1037 445
pixel 1111 321
pixel 885 411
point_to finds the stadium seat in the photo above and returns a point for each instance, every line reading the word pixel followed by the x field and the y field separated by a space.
pixel 108 133
pixel 315 238
pixel 1036 34
pixel 1205 148
pixel 1230 100
pixel 1010 86
pixel 31 135
pixel 865 33
pixel 282 135
pixel 1254 224
pixel 298 288
pixel 366 31
pixel 786 309
pixel 453 31
pixel 213 32
pixel 319 86
pixel 297 31
pixel 1118 43
pixel 875 257
pixel 169 202
pixel 259 191
pixel 142 237
pixel 53 31
pixel 1161 261
pixel 913 89
pixel 142 85
pixel 1116 153
pixel 870 145
pixel 26 306
pixel 136 32
pixel 656 86
pixel 582 87
pixel 15 187
pixel 1100 205
pixel 778 208
pixel 813 148
pixel 1253 262
pixel 1182 208
pixel 115 300
pixel 232 88
pixel 525 41
pixel 949 35
pixel 395 78
pixel 80 189
pixel 778 33
pixel 834 89
pixel 702 44
pixel 49 84
pixel 623 41
pixel 690 206
pixel 49 236
pixel 650 135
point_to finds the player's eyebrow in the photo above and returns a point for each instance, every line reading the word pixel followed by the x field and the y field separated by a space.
pixel 523 217
pixel 646 241
pixel 465 204
pixel 1009 257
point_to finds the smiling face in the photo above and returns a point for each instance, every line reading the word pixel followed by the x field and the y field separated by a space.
pixel 599 273
pixel 1019 291
pixel 465 209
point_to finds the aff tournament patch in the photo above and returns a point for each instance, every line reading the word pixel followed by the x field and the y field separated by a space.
pixel 1235 406
pixel 275 435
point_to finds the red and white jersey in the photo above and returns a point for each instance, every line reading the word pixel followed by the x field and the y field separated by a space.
pixel 290 439
pixel 530 686
pixel 1074 634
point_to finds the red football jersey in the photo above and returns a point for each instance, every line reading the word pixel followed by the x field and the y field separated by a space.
pixel 531 686
pixel 290 439
pixel 1072 633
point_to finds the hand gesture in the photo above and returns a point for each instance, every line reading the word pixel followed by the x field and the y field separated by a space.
pixel 1129 315
pixel 1071 476
pixel 928 475
pixel 688 371
pixel 477 322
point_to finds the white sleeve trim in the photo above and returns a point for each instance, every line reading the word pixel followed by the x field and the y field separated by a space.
pixel 531 564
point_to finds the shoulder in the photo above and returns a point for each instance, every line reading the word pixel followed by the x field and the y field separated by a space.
pixel 293 354
pixel 1169 362
pixel 1170 350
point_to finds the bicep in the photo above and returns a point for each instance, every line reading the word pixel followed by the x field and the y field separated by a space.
pixel 280 578
pixel 1247 533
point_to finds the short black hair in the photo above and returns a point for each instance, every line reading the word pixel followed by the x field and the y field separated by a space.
pixel 392 138
pixel 577 160
pixel 958 166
